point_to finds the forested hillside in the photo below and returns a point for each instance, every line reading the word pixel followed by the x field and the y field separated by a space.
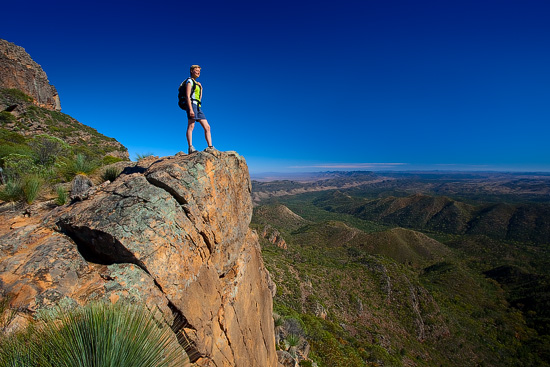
pixel 376 278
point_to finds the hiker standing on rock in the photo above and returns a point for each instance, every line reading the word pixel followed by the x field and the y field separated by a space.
pixel 190 94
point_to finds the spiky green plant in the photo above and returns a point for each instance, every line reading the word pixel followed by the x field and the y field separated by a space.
pixel 12 191
pixel 106 335
pixel 15 351
pixel 293 341
pixel 31 187
pixel 110 174
pixel 140 157
pixel 278 322
pixel 62 195
pixel 81 164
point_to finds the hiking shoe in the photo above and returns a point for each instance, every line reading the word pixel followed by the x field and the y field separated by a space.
pixel 210 149
pixel 192 149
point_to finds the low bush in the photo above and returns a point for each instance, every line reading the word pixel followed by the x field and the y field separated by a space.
pixel 109 159
pixel 6 118
pixel 12 191
pixel 16 166
pixel 16 94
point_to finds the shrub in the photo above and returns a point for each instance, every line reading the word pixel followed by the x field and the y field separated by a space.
pixel 6 117
pixel 81 164
pixel 110 174
pixel 31 187
pixel 293 326
pixel 11 137
pixel 97 335
pixel 18 165
pixel 12 191
pixel 9 149
pixel 293 341
pixel 17 94
pixel 278 322
pixel 47 148
pixel 62 195
pixel 109 159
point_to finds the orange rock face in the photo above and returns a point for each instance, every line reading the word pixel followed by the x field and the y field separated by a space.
pixel 19 71
pixel 172 234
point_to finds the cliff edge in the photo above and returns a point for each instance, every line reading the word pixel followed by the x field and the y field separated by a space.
pixel 172 233
pixel 19 71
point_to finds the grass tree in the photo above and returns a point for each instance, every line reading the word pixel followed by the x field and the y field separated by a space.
pixel 278 322
pixel 119 335
pixel 293 340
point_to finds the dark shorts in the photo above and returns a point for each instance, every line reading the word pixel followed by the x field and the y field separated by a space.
pixel 199 115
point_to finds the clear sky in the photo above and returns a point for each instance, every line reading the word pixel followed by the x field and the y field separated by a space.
pixel 306 85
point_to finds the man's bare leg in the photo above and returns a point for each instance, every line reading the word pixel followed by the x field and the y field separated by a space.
pixel 207 135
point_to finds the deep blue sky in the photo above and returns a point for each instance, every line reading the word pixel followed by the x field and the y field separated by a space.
pixel 306 85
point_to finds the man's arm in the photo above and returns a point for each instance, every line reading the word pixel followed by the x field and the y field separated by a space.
pixel 188 88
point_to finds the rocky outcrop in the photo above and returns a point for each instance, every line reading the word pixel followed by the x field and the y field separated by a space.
pixel 274 237
pixel 171 233
pixel 19 71
pixel 23 87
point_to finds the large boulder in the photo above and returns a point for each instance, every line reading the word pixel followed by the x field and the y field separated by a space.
pixel 171 233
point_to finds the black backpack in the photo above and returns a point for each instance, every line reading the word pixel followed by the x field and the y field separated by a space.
pixel 182 93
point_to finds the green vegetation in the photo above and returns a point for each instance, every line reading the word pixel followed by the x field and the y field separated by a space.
pixel 12 191
pixel 110 174
pixel 367 294
pixel 26 175
pixel 40 148
pixel 80 164
pixel 31 187
pixel 109 159
pixel 139 156
pixel 16 94
pixel 95 335
pixel 47 149
pixel 293 340
pixel 62 195
pixel 7 118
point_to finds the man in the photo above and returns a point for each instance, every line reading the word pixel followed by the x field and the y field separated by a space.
pixel 194 112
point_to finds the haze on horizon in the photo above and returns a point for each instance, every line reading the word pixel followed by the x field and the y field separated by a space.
pixel 307 86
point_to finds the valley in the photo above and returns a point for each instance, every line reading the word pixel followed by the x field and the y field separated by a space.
pixel 423 269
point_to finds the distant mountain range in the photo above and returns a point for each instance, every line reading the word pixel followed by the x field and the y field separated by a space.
pixel 469 186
